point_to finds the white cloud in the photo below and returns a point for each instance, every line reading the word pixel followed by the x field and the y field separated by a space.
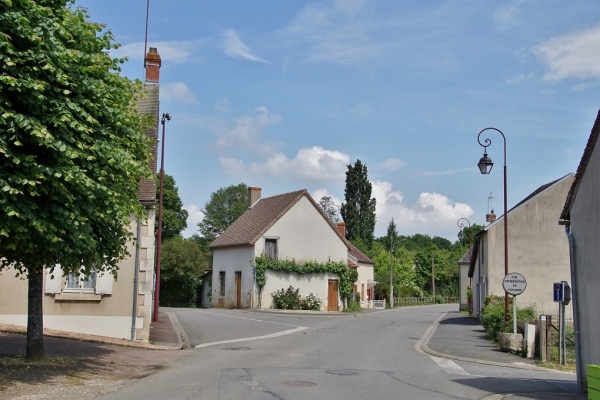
pixel 313 164
pixel 232 46
pixel 247 130
pixel 223 105
pixel 432 212
pixel 177 91
pixel 195 215
pixel 573 55
pixel 319 193
pixel 393 164
pixel 174 51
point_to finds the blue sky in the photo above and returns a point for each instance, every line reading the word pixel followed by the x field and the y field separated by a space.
pixel 285 94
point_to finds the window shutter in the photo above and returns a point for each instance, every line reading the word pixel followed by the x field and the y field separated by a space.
pixel 53 280
pixel 104 282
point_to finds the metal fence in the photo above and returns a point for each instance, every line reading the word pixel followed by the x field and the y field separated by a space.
pixel 420 301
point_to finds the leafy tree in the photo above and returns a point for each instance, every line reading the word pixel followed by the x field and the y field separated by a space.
pixel 224 207
pixel 182 262
pixel 72 148
pixel 359 210
pixel 329 208
pixel 174 219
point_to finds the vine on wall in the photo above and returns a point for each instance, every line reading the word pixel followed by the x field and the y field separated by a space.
pixel 347 276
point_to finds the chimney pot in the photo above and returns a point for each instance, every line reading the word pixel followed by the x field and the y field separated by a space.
pixel 152 65
pixel 254 194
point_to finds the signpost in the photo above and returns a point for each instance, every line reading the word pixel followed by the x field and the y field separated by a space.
pixel 562 295
pixel 515 284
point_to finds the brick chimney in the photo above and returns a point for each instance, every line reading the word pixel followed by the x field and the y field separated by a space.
pixel 253 195
pixel 152 66
pixel 491 217
pixel 341 227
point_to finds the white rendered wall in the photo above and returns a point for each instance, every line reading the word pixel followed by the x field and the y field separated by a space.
pixel 230 260
pixel 316 284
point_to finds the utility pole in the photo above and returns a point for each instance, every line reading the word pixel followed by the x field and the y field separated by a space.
pixel 433 273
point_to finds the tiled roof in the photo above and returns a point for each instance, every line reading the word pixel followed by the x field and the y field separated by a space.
pixel 587 154
pixel 359 255
pixel 538 192
pixel 148 105
pixel 252 224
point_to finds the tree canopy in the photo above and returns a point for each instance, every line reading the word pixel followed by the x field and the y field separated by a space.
pixel 328 206
pixel 174 219
pixel 72 149
pixel 358 212
pixel 224 207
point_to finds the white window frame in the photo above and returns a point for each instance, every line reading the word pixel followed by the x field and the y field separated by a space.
pixel 57 284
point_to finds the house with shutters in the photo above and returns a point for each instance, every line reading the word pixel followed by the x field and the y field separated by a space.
pixel 289 226
pixel 580 223
pixel 537 249
pixel 100 304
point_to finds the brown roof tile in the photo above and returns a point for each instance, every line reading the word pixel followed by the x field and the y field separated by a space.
pixel 252 224
pixel 587 154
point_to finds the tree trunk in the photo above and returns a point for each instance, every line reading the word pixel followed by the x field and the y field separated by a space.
pixel 35 316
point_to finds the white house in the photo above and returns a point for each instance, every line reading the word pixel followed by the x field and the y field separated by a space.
pixel 100 304
pixel 289 226
pixel 537 249
pixel 581 218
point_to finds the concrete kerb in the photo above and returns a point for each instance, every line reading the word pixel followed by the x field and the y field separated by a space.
pixel 92 338
pixel 183 341
pixel 422 347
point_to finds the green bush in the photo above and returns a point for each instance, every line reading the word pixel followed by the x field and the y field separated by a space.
pixel 492 317
pixel 353 306
pixel 286 299
pixel 310 302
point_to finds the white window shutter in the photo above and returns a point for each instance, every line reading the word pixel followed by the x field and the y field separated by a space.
pixel 53 280
pixel 104 282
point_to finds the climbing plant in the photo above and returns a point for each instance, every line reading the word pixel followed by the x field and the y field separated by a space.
pixel 347 276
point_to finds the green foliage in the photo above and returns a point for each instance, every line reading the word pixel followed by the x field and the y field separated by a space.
pixel 311 302
pixel 353 306
pixel 182 262
pixel 358 212
pixel 224 207
pixel 346 275
pixel 288 299
pixel 72 149
pixel 492 317
pixel 328 206
pixel 174 218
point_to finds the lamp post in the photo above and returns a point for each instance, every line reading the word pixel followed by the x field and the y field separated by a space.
pixel 461 234
pixel 165 117
pixel 485 165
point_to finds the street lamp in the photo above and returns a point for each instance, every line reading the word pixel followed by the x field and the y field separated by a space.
pixel 165 117
pixel 485 165
pixel 461 234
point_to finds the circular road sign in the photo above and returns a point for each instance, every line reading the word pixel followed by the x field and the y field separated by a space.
pixel 514 283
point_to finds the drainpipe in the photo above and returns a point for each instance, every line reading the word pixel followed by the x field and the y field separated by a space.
pixel 136 279
pixel 578 360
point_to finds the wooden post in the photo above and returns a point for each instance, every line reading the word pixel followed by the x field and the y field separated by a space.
pixel 543 345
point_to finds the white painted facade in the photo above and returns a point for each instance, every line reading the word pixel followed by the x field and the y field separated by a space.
pixel 103 312
pixel 302 234
pixel 537 249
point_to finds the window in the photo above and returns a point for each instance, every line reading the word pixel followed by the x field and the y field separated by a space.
pixel 95 283
pixel 222 283
pixel 81 282
pixel 271 248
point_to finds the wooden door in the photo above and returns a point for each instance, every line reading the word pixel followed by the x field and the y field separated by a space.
pixel 332 295
pixel 238 289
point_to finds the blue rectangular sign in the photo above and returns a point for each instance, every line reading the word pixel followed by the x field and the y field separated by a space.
pixel 559 291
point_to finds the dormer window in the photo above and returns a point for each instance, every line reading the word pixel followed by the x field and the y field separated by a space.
pixel 271 248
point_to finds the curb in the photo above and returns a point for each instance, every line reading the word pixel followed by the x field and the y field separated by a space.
pixel 421 345
pixel 93 338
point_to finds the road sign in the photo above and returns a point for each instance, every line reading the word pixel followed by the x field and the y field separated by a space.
pixel 514 283
pixel 559 292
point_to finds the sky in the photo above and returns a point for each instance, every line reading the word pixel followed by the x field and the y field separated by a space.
pixel 284 95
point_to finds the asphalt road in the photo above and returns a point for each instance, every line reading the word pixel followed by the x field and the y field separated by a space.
pixel 250 355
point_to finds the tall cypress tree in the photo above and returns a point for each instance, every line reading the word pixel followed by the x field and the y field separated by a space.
pixel 358 212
